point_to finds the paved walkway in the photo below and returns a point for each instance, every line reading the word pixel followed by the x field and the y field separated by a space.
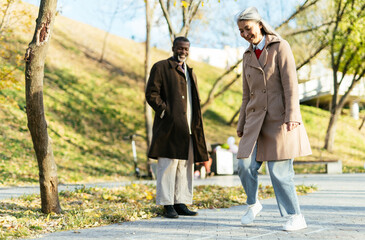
pixel 336 211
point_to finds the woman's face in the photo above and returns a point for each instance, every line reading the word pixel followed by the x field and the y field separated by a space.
pixel 250 31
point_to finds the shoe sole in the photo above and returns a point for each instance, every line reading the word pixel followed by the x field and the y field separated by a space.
pixel 171 216
pixel 294 229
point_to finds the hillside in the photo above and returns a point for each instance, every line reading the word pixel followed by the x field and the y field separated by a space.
pixel 91 106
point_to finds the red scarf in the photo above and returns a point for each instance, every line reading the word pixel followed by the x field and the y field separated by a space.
pixel 258 53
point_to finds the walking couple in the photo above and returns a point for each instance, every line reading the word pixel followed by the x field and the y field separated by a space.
pixel 270 124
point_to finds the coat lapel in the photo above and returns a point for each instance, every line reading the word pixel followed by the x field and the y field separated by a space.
pixel 263 58
pixel 175 65
pixel 253 61
pixel 261 62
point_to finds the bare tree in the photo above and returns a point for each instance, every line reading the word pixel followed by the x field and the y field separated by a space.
pixel 188 11
pixel 34 73
pixel 147 66
pixel 115 9
pixel 107 32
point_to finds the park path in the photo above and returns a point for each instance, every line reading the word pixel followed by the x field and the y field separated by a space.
pixel 335 211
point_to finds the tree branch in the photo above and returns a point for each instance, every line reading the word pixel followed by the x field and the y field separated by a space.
pixel 319 49
pixel 168 20
pixel 299 10
pixel 308 30
pixel 334 32
pixel 215 84
pixel 225 88
pixel 194 10
pixel 347 65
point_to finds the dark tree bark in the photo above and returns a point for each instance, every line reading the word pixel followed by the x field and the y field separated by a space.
pixel 362 123
pixel 34 73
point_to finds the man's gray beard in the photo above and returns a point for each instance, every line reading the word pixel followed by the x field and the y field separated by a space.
pixel 181 60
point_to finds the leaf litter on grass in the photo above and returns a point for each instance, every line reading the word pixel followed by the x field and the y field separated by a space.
pixel 92 207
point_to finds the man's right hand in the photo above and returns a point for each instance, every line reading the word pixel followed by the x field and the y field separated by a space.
pixel 239 133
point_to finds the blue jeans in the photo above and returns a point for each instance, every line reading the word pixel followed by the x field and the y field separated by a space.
pixel 281 174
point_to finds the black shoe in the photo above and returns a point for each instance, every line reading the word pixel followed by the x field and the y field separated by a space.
pixel 182 209
pixel 170 212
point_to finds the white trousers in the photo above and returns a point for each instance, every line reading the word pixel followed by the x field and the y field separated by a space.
pixel 175 180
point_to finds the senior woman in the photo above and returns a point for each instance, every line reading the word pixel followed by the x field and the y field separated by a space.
pixel 270 124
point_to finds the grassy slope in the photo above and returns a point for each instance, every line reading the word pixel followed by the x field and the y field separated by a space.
pixel 90 106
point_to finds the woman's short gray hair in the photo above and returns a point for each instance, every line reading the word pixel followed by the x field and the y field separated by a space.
pixel 252 14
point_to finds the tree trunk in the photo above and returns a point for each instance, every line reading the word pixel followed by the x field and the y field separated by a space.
pixel 34 73
pixel 148 110
pixel 362 123
pixel 331 129
pixel 101 59
pixel 231 122
pixel 107 34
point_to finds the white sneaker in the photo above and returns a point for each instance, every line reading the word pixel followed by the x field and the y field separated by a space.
pixel 251 213
pixel 295 222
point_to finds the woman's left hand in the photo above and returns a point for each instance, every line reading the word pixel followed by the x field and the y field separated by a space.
pixel 291 125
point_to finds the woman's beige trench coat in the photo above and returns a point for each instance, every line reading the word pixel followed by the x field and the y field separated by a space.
pixel 270 99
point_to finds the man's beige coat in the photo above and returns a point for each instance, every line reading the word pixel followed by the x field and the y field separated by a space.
pixel 270 99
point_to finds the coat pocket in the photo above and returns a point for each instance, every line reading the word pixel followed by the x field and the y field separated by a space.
pixel 276 108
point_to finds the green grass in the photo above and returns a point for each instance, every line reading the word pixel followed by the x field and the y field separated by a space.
pixel 91 106
pixel 349 141
pixel 92 207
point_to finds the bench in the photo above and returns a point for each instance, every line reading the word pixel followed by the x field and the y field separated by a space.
pixel 332 166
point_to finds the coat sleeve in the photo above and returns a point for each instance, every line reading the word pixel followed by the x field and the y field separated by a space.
pixel 245 99
pixel 289 81
pixel 153 90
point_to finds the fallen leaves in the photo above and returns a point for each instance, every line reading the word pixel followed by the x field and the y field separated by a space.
pixel 92 207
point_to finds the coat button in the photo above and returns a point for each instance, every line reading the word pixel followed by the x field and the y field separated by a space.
pixel 251 93
pixel 253 109
pixel 265 109
pixel 248 75
pixel 264 90
pixel 183 97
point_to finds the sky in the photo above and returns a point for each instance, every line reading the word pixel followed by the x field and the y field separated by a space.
pixel 216 30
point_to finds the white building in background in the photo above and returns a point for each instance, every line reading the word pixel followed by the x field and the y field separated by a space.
pixel 316 90
pixel 221 58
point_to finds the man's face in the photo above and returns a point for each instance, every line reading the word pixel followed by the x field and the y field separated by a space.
pixel 181 50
